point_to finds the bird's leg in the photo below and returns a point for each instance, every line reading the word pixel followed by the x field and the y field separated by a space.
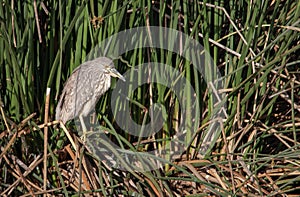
pixel 84 129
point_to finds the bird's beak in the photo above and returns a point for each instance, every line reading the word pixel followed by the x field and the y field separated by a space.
pixel 114 73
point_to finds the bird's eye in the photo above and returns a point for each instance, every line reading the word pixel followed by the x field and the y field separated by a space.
pixel 107 69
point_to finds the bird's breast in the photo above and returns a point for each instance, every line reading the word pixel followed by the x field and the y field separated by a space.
pixel 102 86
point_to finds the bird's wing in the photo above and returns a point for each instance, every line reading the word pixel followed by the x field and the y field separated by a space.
pixel 59 106
pixel 65 109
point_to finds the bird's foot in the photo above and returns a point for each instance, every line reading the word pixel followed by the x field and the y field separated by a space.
pixel 84 136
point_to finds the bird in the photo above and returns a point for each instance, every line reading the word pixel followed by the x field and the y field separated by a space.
pixel 83 89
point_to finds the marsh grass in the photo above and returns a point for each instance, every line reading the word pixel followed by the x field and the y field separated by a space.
pixel 255 46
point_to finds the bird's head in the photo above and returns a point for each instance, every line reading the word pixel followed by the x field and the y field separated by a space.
pixel 110 69
pixel 114 73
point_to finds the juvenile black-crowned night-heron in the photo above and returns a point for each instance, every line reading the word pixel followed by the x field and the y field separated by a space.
pixel 84 87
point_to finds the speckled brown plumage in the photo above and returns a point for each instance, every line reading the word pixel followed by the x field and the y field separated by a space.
pixel 84 88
